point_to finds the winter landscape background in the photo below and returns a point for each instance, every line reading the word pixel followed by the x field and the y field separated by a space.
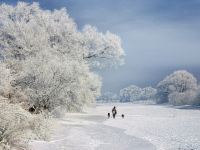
pixel 66 64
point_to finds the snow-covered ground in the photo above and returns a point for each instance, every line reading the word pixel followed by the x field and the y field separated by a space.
pixel 145 127
pixel 166 127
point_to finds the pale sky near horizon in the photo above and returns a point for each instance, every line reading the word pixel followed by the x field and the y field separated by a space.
pixel 158 36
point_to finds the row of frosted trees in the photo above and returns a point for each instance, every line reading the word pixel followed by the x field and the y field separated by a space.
pixel 47 68
pixel 178 88
pixel 135 93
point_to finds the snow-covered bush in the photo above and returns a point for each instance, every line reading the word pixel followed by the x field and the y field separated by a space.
pixel 176 85
pixel 51 61
pixel 17 126
pixel 133 93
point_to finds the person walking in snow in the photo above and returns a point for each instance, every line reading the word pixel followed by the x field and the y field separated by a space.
pixel 114 112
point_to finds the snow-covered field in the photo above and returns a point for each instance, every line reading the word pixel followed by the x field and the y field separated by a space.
pixel 145 127
pixel 167 128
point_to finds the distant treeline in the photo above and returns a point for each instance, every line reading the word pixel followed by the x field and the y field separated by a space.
pixel 178 88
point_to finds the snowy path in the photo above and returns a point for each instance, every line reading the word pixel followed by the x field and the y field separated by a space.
pixel 87 132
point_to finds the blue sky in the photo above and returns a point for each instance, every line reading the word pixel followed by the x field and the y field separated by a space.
pixel 159 36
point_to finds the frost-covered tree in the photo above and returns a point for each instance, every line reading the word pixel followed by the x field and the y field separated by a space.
pixel 124 95
pixel 50 59
pixel 148 93
pixel 177 82
pixel 52 84
pixel 135 93
pixel 26 30
pixel 129 93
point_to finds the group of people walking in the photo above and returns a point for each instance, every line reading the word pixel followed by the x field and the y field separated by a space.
pixel 114 113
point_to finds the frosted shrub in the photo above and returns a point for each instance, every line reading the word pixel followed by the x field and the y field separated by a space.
pixel 17 126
